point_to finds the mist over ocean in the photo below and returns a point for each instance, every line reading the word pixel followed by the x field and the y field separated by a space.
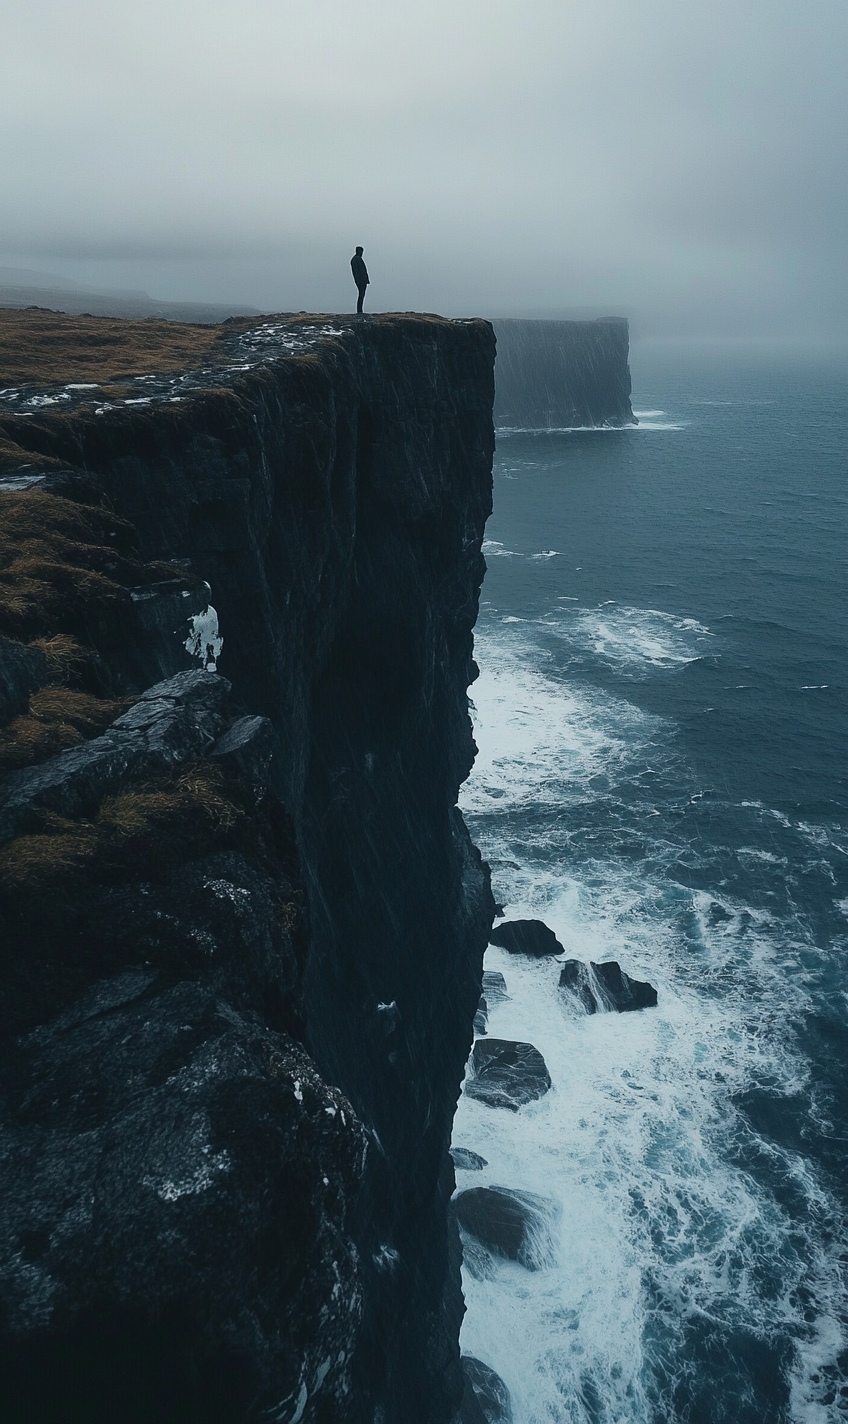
pixel 661 717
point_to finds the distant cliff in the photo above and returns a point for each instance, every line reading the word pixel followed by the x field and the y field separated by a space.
pixel 243 919
pixel 559 374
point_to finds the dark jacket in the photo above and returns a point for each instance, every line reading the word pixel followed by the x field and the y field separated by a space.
pixel 359 270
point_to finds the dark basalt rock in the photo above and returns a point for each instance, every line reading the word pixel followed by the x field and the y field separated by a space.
pixel 510 1223
pixel 526 937
pixel 481 1018
pixel 468 1161
pixel 331 480
pixel 173 721
pixel 494 986
pixel 606 987
pixel 506 1074
pixel 248 745
pixel 574 976
pixel 170 1166
pixel 622 992
pixel 489 1390
pixel 22 670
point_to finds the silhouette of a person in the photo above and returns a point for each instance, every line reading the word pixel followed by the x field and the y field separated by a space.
pixel 360 276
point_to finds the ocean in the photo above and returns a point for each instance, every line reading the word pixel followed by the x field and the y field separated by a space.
pixel 663 779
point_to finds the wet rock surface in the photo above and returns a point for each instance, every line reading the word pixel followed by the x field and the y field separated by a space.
pixel 606 987
pixel 494 986
pixel 489 1390
pixel 532 937
pixel 481 1018
pixel 175 1234
pixel 468 1161
pixel 172 722
pixel 510 1223
pixel 505 1074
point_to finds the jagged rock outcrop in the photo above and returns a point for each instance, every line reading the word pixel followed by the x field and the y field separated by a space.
pixel 489 1390
pixel 510 1223
pixel 467 1161
pixel 505 1074
pixel 494 986
pixel 605 987
pixel 531 937
pixel 561 374
pixel 309 895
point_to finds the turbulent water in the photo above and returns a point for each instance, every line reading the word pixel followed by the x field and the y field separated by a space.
pixel 661 717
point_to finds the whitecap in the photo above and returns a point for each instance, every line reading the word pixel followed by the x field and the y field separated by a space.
pixel 642 1139
pixel 635 639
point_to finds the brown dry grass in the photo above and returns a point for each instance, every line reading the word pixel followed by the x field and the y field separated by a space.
pixel 64 569
pixel 60 561
pixel 43 347
pixel 67 659
pixel 140 834
pixel 57 719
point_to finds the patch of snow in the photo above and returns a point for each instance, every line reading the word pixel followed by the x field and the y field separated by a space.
pixel 47 400
pixel 204 641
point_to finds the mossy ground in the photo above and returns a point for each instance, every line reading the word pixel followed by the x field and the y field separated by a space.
pixel 147 830
pixel 42 347
pixel 61 562
pixel 64 573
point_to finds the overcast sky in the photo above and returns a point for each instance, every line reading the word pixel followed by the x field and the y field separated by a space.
pixel 679 161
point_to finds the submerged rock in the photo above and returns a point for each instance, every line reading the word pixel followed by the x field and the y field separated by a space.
pixel 506 1074
pixel 468 1161
pixel 526 937
pixel 509 1223
pixel 606 987
pixel 489 1390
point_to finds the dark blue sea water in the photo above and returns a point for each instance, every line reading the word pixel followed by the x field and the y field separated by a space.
pixel 663 777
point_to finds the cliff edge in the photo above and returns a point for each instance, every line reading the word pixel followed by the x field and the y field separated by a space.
pixel 239 573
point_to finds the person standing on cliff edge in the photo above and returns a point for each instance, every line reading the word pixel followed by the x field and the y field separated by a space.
pixel 360 276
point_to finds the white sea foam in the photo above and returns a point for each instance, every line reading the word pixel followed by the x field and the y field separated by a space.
pixel 494 549
pixel 634 639
pixel 641 1139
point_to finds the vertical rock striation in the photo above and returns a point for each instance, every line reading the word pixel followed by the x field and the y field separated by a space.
pixel 558 374
pixel 330 481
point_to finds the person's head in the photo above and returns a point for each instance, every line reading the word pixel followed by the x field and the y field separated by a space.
pixel 359 251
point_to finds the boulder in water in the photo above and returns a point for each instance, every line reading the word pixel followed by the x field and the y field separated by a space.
pixel 481 1018
pixel 506 1074
pixel 574 975
pixel 509 1223
pixel 526 937
pixel 489 1390
pixel 468 1161
pixel 605 987
pixel 494 986
pixel 622 992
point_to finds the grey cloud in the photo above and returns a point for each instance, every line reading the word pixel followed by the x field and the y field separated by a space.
pixel 685 163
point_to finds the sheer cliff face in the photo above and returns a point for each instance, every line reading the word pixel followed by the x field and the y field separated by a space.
pixel 330 480
pixel 556 374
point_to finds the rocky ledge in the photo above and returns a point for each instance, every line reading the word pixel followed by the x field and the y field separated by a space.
pixel 243 920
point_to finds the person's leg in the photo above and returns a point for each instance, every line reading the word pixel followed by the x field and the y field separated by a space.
pixel 361 291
